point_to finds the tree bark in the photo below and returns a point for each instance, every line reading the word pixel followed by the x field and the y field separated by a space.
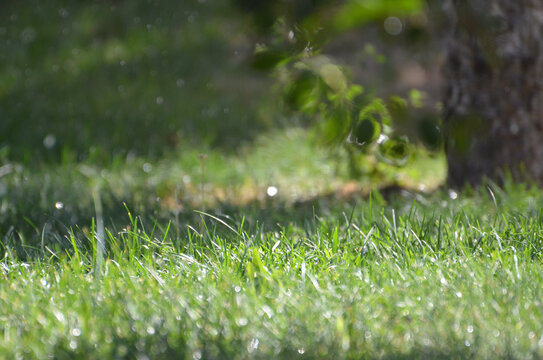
pixel 493 104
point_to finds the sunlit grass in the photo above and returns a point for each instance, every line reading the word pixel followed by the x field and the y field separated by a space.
pixel 37 202
pixel 434 278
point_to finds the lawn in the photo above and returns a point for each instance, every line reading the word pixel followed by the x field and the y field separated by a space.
pixel 158 202
pixel 306 273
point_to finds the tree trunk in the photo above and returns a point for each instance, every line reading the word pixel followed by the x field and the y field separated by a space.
pixel 493 105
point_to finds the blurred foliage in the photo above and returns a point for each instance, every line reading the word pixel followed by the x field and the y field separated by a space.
pixel 315 85
pixel 88 79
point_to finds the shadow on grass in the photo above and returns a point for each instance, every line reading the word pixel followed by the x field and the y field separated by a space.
pixel 31 229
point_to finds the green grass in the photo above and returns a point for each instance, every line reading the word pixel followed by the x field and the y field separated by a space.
pixel 171 188
pixel 92 79
pixel 114 104
pixel 414 277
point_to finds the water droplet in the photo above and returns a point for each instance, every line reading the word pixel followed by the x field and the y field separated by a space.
pixel 59 316
pixel 159 100
pixel 49 141
pixel 28 35
pixel 242 321
pixel 301 350
pixel 59 205
pixel 470 329
pixel 393 25
pixel 272 191
pixel 458 294
pixel 291 35
pixel 253 345
pixel 443 282
pixel 467 343
pixel 63 12
pixel 237 289
pixel 150 330
pixel 268 311
pixel 381 139
pixel 197 355
pixel 180 83
pixel 73 344
pixel 147 167
pixel 453 194
pixel 514 128
pixel 76 332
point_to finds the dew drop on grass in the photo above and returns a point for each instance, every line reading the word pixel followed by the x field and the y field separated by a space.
pixel 393 25
pixel 73 344
pixel 253 345
pixel 272 191
pixel 268 311
pixel 59 316
pixel 453 194
pixel 242 321
pixel 147 167
pixel 237 289
pixel 49 141
pixel 150 330
pixel 470 329
pixel 197 355
pixel 76 332
pixel 291 35
pixel 59 205
pixel 467 343
pixel 301 350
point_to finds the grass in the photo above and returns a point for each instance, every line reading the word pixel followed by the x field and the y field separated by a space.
pixel 199 262
pixel 94 79
pixel 443 275
pixel 42 203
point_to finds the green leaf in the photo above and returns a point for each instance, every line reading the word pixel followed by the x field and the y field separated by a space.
pixel 336 125
pixel 394 151
pixel 359 12
pixel 333 77
pixel 366 131
pixel 376 110
pixel 303 91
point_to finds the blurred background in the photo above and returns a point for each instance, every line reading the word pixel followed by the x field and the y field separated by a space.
pixel 163 106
